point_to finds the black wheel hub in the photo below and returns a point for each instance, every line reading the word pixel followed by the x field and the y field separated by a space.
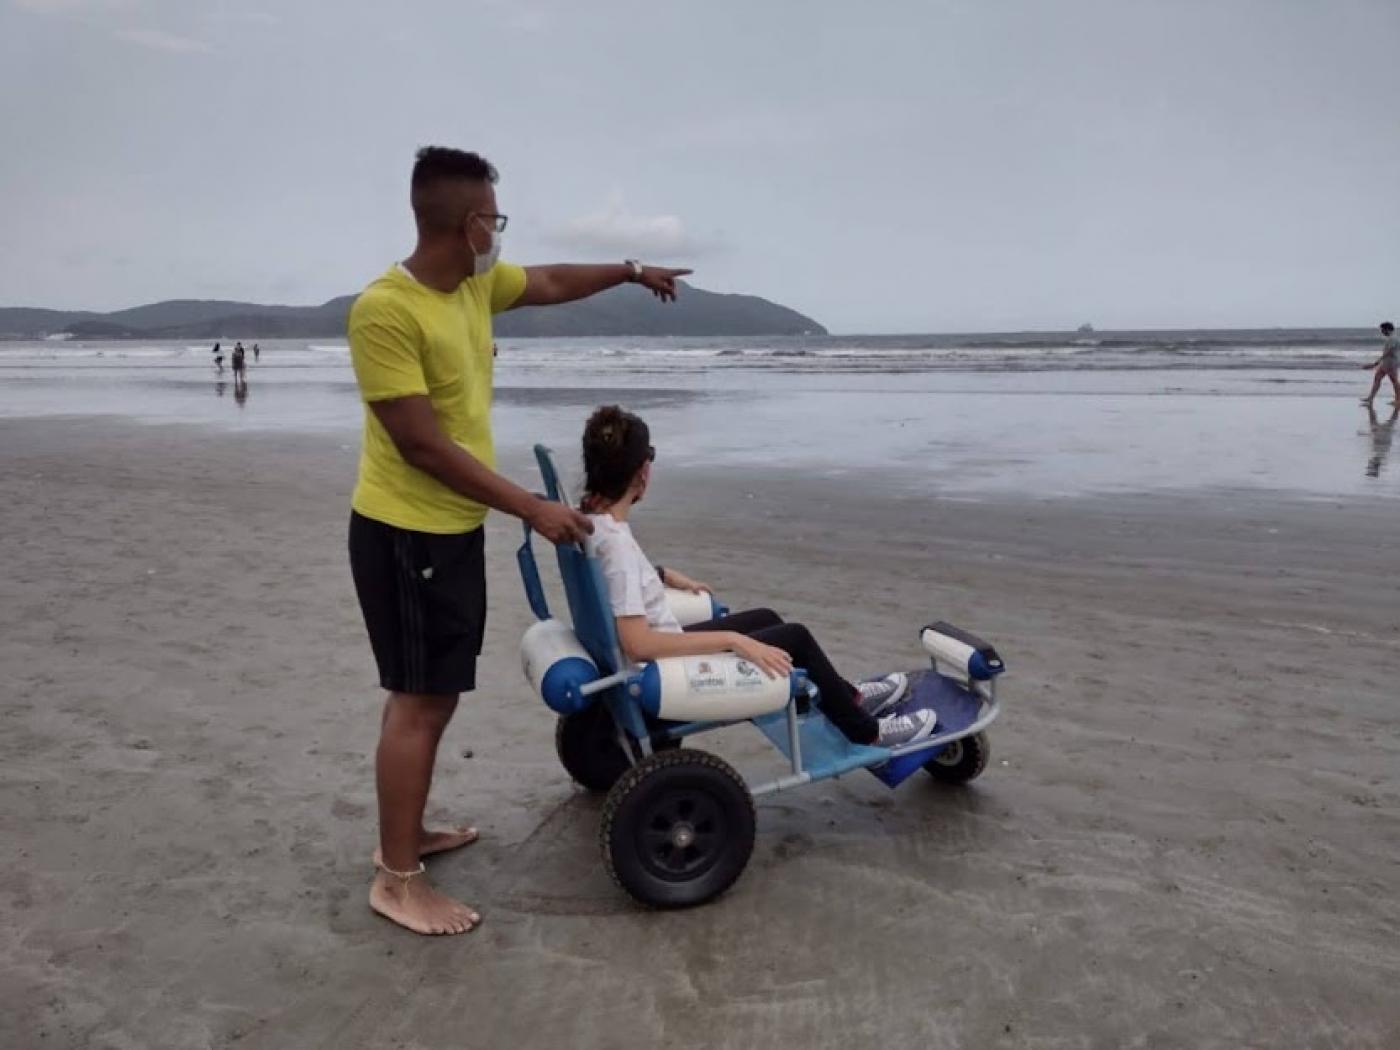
pixel 681 835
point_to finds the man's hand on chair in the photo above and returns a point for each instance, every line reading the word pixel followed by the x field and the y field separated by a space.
pixel 558 522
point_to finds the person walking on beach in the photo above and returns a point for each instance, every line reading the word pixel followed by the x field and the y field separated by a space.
pixel 1388 364
pixel 256 352
pixel 218 359
pixel 238 362
pixel 420 345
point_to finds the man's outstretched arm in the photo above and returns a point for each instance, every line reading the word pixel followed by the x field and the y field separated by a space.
pixel 565 282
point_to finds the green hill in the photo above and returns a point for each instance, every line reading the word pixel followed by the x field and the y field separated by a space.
pixel 624 311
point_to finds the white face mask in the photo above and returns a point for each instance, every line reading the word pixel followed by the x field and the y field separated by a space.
pixel 483 261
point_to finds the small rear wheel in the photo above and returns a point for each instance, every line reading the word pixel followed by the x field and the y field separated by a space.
pixel 961 761
pixel 678 829
pixel 588 749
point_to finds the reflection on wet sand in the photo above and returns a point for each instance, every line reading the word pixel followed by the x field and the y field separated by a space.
pixel 1382 434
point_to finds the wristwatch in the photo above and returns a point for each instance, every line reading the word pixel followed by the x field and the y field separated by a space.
pixel 636 268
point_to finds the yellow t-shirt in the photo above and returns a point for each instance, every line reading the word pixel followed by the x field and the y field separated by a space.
pixel 407 338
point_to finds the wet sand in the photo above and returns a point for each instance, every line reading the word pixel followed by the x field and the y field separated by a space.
pixel 1188 836
pixel 938 432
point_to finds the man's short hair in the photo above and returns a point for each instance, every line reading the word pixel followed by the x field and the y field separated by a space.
pixel 437 174
pixel 1387 326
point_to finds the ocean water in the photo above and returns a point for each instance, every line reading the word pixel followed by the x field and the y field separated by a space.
pixel 1100 351
pixel 961 416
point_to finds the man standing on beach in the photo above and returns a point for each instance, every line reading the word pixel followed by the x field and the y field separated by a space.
pixel 1388 364
pixel 420 343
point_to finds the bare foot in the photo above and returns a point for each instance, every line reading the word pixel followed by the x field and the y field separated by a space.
pixel 437 842
pixel 410 900
pixel 442 841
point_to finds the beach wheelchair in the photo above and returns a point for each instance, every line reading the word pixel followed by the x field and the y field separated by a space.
pixel 678 823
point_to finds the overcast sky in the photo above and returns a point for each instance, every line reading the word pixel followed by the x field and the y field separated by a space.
pixel 911 166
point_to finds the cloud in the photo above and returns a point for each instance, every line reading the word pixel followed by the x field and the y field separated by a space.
pixel 770 126
pixel 256 18
pixel 521 16
pixel 614 230
pixel 528 20
pixel 68 7
pixel 160 40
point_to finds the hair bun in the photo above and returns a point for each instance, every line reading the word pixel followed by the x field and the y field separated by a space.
pixel 609 426
pixel 616 444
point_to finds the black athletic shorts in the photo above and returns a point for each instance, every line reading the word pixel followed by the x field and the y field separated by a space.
pixel 424 601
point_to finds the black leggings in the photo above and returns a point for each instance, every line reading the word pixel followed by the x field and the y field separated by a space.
pixel 838 699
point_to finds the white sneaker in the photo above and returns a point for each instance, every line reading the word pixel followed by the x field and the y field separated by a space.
pixel 880 694
pixel 906 729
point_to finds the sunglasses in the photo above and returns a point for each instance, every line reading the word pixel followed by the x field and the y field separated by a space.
pixel 651 453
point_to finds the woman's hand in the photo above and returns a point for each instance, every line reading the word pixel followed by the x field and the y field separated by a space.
pixel 681 582
pixel 771 660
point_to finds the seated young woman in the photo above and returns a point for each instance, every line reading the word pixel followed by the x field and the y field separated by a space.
pixel 618 459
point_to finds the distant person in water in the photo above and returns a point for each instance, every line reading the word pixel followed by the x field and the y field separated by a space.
pixel 239 365
pixel 256 351
pixel 1388 364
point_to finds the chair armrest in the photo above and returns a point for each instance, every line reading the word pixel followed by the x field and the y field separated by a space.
pixel 716 687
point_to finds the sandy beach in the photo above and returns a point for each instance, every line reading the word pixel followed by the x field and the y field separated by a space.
pixel 1070 325
pixel 1188 836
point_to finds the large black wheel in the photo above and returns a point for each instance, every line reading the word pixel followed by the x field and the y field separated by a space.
pixel 678 829
pixel 588 749
pixel 961 761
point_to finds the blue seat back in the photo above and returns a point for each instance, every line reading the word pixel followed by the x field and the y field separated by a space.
pixel 583 585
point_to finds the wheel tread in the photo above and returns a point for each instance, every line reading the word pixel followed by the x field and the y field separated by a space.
pixel 981 750
pixel 635 775
pixel 585 769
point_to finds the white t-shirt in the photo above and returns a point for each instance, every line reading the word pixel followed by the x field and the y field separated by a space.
pixel 1391 352
pixel 634 588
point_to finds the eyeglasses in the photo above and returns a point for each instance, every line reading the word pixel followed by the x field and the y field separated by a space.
pixel 495 222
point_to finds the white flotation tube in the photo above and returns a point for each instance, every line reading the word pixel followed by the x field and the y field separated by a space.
pixel 960 652
pixel 688 607
pixel 723 687
pixel 557 665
